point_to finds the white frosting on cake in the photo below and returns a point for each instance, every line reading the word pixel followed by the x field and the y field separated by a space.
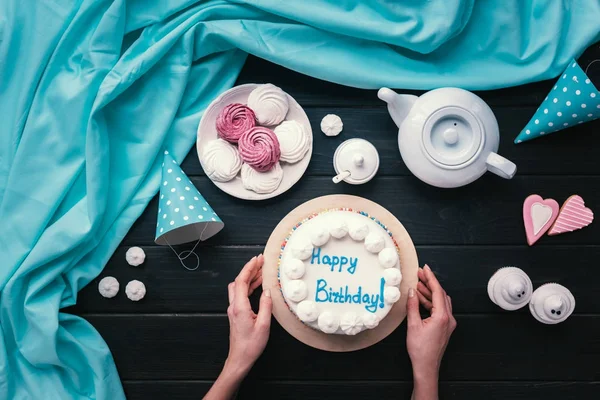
pixel 342 286
pixel 261 182
pixel 221 160
pixel 294 268
pixel 307 311
pixel 294 141
pixel 388 257
pixel 328 322
pixel 374 242
pixel 269 103
pixel 350 323
pixel 295 290
pixel 338 228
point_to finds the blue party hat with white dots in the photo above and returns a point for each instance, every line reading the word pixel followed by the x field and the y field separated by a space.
pixel 573 100
pixel 183 214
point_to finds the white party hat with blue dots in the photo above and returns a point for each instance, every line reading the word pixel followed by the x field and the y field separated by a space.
pixel 573 100
pixel 183 214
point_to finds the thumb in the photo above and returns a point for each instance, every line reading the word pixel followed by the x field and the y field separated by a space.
pixel 263 319
pixel 412 309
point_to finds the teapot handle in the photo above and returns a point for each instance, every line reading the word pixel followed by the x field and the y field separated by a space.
pixel 501 166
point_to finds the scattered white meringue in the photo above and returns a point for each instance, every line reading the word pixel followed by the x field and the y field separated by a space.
pixel 351 323
pixel 295 290
pixel 269 103
pixel 391 294
pixel 319 236
pixel 331 125
pixel 221 160
pixel 388 257
pixel 328 322
pixel 358 231
pixel 108 287
pixel 294 268
pixel 338 228
pixel 135 290
pixel 374 242
pixel 307 311
pixel 302 249
pixel 135 256
pixel 294 141
pixel 261 182
pixel 392 276
pixel 370 320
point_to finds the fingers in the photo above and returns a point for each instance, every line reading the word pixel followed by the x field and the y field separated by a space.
pixel 263 319
pixel 449 303
pixel 242 285
pixel 231 292
pixel 413 316
pixel 256 283
pixel 438 295
pixel 424 290
pixel 451 319
pixel 424 301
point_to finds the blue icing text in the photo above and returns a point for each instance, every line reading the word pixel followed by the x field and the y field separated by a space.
pixel 326 294
pixel 334 261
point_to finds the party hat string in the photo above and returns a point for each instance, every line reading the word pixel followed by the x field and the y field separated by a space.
pixel 182 258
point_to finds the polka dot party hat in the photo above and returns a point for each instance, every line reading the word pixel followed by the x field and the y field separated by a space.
pixel 573 100
pixel 183 214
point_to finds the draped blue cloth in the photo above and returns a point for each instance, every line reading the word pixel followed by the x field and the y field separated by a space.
pixel 91 91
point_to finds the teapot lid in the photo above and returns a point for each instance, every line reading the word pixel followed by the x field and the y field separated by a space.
pixel 359 157
pixel 453 136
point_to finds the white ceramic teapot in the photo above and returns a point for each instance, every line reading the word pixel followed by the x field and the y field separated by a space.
pixel 447 137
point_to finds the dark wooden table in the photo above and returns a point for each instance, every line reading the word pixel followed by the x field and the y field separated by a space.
pixel 172 344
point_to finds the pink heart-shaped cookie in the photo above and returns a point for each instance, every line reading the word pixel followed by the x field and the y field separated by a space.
pixel 538 216
pixel 573 215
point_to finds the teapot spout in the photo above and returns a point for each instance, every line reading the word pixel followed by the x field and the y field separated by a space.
pixel 399 105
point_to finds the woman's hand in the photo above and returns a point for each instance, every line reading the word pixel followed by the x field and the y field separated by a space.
pixel 427 338
pixel 248 332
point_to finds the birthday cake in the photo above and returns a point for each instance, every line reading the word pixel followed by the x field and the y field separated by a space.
pixel 339 271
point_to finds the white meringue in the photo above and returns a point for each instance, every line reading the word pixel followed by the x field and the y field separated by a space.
pixel 108 287
pixel 319 236
pixel 135 290
pixel 338 228
pixel 295 290
pixel 351 323
pixel 294 268
pixel 331 125
pixel 221 160
pixel 135 256
pixel 370 320
pixel 391 294
pixel 303 249
pixel 294 141
pixel 388 257
pixel 392 276
pixel 358 231
pixel 374 242
pixel 261 182
pixel 328 322
pixel 269 103
pixel 307 311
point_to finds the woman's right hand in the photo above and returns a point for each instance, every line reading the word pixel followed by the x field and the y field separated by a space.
pixel 427 338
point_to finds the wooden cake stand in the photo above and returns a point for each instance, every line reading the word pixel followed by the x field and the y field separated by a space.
pixel 330 342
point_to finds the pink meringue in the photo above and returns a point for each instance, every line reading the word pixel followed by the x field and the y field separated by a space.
pixel 234 120
pixel 259 148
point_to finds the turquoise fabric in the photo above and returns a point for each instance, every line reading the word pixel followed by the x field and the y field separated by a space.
pixel 573 100
pixel 91 91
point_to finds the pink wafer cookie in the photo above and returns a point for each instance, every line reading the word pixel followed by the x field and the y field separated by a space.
pixel 259 148
pixel 234 120
pixel 573 215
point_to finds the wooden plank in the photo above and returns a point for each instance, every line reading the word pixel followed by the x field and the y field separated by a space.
pixel 557 154
pixel 462 270
pixel 489 211
pixel 512 347
pixel 292 390
pixel 311 91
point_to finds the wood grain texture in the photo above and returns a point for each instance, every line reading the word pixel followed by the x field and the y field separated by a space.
pixel 488 211
pixel 513 346
pixel 193 390
pixel 463 271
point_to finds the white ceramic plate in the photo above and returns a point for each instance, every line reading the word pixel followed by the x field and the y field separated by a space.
pixel 207 132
